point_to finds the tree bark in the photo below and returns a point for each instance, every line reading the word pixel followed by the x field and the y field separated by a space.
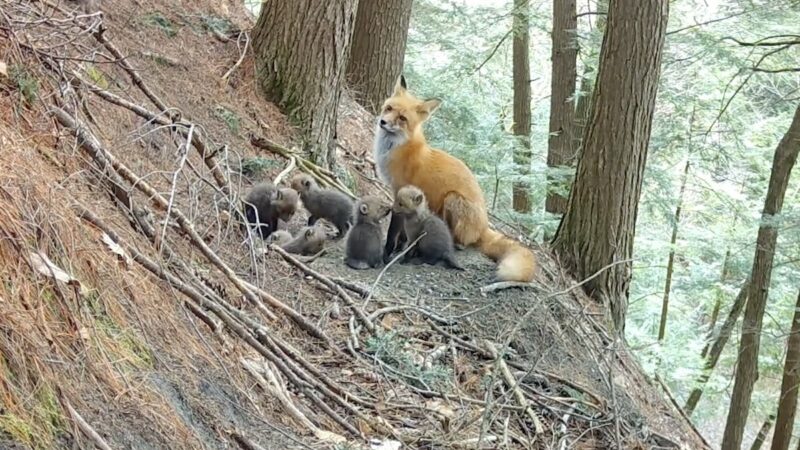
pixel 716 348
pixel 787 405
pixel 712 322
pixel 758 442
pixel 747 363
pixel 561 141
pixel 301 49
pixel 522 104
pixel 379 48
pixel 662 326
pixel 599 225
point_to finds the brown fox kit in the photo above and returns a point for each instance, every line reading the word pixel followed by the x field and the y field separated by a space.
pixel 309 241
pixel 437 243
pixel 364 241
pixel 327 204
pixel 266 203
pixel 403 157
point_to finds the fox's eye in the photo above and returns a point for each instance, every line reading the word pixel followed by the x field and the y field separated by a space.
pixel 388 108
pixel 402 118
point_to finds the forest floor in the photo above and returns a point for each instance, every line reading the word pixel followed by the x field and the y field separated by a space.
pixel 135 314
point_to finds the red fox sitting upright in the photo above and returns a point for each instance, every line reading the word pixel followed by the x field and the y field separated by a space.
pixel 403 157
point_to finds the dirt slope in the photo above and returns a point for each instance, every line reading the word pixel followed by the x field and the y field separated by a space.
pixel 133 313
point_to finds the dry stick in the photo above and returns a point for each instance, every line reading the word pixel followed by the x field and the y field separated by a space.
pixel 219 311
pixel 680 410
pixel 513 384
pixel 360 290
pixel 359 312
pixel 383 271
pixel 181 127
pixel 501 285
pixel 289 168
pixel 90 143
pixel 241 58
pixel 85 427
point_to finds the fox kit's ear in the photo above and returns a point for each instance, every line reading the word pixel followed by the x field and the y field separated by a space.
pixel 426 108
pixel 418 199
pixel 309 232
pixel 363 208
pixel 400 87
pixel 307 182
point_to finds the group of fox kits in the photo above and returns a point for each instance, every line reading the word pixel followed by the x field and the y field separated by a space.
pixel 438 203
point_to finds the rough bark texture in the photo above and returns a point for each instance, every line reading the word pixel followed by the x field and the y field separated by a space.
pixel 662 326
pixel 522 104
pixel 564 55
pixel 787 405
pixel 599 224
pixel 716 348
pixel 378 51
pixel 747 363
pixel 301 49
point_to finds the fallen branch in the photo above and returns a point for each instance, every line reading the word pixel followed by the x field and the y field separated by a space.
pixel 241 57
pixel 502 285
pixel 680 410
pixel 85 427
pixel 513 384
pixel 289 168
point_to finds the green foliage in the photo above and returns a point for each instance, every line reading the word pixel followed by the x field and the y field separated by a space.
pixel 391 349
pixel 217 24
pixel 26 83
pixel 255 167
pixel 157 20
pixel 229 117
pixel 97 76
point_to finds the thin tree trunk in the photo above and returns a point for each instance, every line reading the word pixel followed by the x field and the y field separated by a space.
pixel 522 104
pixel 747 363
pixel 716 348
pixel 379 47
pixel 560 144
pixel 599 225
pixel 787 405
pixel 662 326
pixel 301 49
pixel 712 323
pixel 762 433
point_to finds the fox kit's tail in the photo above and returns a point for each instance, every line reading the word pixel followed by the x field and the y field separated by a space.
pixel 514 262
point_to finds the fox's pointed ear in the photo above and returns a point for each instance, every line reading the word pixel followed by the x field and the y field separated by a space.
pixel 427 107
pixel 400 87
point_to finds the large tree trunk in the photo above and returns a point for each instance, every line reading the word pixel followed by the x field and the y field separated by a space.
pixel 662 326
pixel 763 432
pixel 716 348
pixel 598 228
pixel 787 405
pixel 379 47
pixel 301 49
pixel 522 104
pixel 561 142
pixel 747 363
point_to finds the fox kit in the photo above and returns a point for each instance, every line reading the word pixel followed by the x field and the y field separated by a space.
pixel 324 203
pixel 266 203
pixel 437 244
pixel 403 157
pixel 309 241
pixel 364 249
pixel 280 238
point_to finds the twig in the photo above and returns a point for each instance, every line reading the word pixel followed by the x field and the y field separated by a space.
pixel 680 410
pixel 502 285
pixel 241 58
pixel 85 427
pixel 289 168
pixel 386 267
pixel 513 384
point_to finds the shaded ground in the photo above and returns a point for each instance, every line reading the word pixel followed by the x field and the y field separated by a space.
pixel 147 367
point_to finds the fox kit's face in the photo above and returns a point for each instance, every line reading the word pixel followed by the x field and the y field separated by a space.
pixel 403 113
pixel 409 201
pixel 371 209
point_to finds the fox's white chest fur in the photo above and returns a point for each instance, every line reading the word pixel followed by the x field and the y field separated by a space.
pixel 385 142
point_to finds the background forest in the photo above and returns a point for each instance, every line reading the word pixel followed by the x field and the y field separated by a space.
pixel 716 125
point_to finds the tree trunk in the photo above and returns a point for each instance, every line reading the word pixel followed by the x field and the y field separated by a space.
pixel 712 322
pixel 747 363
pixel 716 348
pixel 379 48
pixel 561 142
pixel 662 326
pixel 301 49
pixel 599 225
pixel 522 105
pixel 787 405
pixel 762 433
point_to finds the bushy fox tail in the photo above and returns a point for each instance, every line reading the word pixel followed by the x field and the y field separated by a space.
pixel 514 262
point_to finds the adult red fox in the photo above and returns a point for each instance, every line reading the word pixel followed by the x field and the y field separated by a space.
pixel 403 157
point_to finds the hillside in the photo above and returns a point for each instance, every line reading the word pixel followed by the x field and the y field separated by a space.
pixel 134 314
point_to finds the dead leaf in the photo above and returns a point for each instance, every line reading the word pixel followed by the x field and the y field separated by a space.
pixel 117 249
pixel 3 69
pixel 43 265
